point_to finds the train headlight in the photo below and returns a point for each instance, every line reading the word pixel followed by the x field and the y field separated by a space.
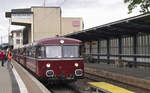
pixel 76 64
pixel 49 73
pixel 78 72
pixel 61 41
pixel 48 65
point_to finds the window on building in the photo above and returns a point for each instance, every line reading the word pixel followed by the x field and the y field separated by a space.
pixel 87 47
pixel 94 47
pixel 103 47
pixel 17 41
pixel 17 34
pixel 114 46
pixel 21 15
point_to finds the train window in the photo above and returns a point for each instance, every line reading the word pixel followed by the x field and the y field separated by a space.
pixel 24 51
pixel 27 52
pixel 53 52
pixel 71 51
pixel 40 52
pixel 30 52
pixel 81 50
pixel 33 51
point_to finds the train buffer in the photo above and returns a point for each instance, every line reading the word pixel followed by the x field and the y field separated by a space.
pixel 18 80
pixel 103 87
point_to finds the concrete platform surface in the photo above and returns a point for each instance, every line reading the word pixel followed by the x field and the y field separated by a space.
pixel 32 84
pixel 134 72
pixel 5 81
pixel 18 80
pixel 6 78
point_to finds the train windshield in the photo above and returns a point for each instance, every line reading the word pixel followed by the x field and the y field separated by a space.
pixel 71 51
pixel 53 52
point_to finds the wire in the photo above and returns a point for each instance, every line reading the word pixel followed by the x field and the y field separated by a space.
pixel 62 3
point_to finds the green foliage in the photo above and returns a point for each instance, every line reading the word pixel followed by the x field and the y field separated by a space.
pixel 144 5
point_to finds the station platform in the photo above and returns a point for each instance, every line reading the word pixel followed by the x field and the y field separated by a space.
pixel 134 72
pixel 18 80
pixel 139 77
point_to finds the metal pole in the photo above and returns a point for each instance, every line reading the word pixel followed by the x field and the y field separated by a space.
pixel 1 39
pixel 44 3
pixel 9 33
pixel 90 51
pixel 134 49
pixel 90 47
pixel 120 47
pixel 108 52
pixel 98 49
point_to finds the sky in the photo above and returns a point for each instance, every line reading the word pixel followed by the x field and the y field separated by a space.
pixel 93 12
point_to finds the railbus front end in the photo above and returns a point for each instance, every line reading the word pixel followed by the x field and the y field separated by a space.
pixel 60 62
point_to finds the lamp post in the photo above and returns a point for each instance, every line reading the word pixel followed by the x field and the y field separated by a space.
pixel 44 3
pixel 1 39
pixel 9 33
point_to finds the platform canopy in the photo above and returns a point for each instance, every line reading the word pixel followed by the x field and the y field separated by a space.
pixel 126 27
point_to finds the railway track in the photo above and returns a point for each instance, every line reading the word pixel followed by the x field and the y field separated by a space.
pixel 93 77
pixel 76 87
pixel 63 88
pixel 79 86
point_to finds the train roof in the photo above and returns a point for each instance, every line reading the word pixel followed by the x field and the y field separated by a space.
pixel 57 41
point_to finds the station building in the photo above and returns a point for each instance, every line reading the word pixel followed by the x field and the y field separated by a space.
pixel 43 22
pixel 127 40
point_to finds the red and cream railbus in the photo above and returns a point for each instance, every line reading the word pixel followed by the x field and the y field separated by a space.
pixel 53 59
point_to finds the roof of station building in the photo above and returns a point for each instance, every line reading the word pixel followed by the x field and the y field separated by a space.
pixel 125 27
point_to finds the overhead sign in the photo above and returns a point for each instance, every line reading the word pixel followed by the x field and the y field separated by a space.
pixel 75 23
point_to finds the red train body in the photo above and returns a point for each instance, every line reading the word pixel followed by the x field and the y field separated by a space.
pixel 52 59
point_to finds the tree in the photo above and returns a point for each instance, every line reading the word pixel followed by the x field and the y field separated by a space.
pixel 144 5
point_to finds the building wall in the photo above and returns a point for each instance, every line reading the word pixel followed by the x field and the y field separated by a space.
pixel 70 25
pixel 21 20
pixel 46 23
